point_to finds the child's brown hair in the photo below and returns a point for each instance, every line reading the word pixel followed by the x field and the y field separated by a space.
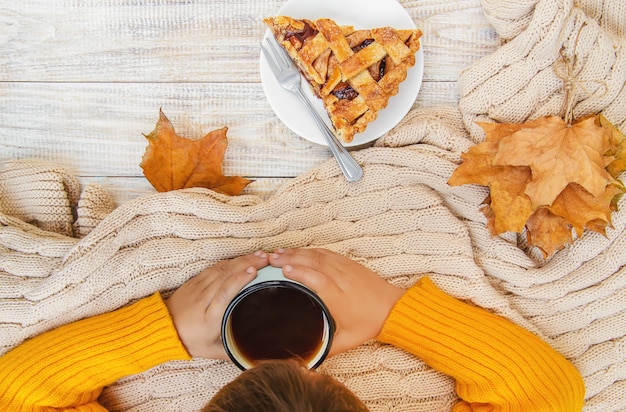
pixel 284 386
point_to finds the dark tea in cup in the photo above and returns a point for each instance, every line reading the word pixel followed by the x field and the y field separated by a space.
pixel 276 318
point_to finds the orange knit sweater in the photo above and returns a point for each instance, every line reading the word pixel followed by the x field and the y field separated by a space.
pixel 498 366
pixel 66 368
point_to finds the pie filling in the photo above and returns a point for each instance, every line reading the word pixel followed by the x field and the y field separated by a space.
pixel 343 90
pixel 354 72
pixel 297 37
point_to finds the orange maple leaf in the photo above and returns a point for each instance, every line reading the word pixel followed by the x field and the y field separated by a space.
pixel 547 177
pixel 478 162
pixel 172 162
pixel 548 232
pixel 579 207
pixel 558 154
pixel 509 207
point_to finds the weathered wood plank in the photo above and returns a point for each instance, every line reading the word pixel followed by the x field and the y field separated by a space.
pixel 95 129
pixel 81 81
pixel 184 41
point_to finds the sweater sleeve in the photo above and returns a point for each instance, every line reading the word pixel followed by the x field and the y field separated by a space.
pixel 497 365
pixel 66 368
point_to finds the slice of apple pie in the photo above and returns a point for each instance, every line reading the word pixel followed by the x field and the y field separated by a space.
pixel 354 72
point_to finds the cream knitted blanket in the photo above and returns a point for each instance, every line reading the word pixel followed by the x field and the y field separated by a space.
pixel 66 255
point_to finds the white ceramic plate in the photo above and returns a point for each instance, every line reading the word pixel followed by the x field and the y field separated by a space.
pixel 361 14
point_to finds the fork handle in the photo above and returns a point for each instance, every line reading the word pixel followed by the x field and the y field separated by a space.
pixel 350 168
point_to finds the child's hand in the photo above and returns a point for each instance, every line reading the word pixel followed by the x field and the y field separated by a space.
pixel 198 306
pixel 358 299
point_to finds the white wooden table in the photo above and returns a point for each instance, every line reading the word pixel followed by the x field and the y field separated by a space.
pixel 81 80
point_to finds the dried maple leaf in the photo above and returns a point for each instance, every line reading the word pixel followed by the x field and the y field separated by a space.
pixel 172 162
pixel 558 154
pixel 618 164
pixel 547 177
pixel 478 162
pixel 509 208
pixel 613 133
pixel 548 232
pixel 512 207
pixel 598 226
pixel 616 157
pixel 579 207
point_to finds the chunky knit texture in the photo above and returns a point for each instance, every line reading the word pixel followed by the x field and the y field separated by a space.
pixel 402 220
pixel 555 50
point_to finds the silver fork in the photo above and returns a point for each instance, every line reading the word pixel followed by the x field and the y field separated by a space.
pixel 288 76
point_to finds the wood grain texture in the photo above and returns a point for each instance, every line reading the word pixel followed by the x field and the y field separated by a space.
pixel 81 81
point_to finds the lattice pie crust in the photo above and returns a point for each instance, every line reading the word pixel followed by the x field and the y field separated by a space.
pixel 354 72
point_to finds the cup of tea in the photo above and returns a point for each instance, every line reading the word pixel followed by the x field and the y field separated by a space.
pixel 274 317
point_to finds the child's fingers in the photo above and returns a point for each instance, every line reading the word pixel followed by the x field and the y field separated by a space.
pixel 214 277
pixel 320 260
pixel 314 280
pixel 225 293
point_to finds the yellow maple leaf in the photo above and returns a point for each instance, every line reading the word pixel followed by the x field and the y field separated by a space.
pixel 618 163
pixel 616 156
pixel 613 133
pixel 558 154
pixel 172 162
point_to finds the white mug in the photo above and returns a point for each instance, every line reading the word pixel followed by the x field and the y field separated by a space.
pixel 274 317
